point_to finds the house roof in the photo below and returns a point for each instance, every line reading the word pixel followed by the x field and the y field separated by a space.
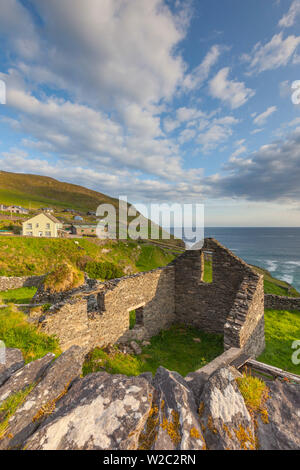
pixel 50 216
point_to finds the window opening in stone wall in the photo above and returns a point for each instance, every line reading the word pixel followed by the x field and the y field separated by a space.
pixel 136 317
pixel 207 271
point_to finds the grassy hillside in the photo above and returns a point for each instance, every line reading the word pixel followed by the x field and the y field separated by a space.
pixel 275 286
pixel 27 256
pixel 34 191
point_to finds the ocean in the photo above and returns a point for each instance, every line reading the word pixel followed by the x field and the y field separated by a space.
pixel 274 249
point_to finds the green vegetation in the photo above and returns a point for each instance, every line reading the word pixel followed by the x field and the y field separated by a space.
pixel 104 270
pixel 9 406
pixel 27 256
pixel 40 191
pixel 16 332
pixel 275 286
pixel 63 277
pixel 208 271
pixel 174 349
pixel 23 295
pixel 152 257
pixel 253 390
pixel 132 319
pixel 281 329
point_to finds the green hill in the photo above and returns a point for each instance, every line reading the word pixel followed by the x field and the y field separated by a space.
pixel 34 192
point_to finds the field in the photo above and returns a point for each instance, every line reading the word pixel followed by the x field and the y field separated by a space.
pixel 281 329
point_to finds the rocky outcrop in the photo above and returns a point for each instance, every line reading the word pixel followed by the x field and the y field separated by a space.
pixel 115 412
pixel 178 422
pixel 25 376
pixel 100 412
pixel 225 420
pixel 13 361
pixel 281 431
pixel 42 399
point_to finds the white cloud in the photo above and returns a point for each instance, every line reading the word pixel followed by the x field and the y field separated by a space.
pixel 101 52
pixel 217 131
pixel 273 54
pixel 239 151
pixel 262 118
pixel 201 73
pixel 232 92
pixel 256 131
pixel 289 18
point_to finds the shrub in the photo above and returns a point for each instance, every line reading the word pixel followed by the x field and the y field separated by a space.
pixel 103 270
pixel 64 277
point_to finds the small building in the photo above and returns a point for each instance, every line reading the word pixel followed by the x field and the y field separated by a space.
pixel 78 218
pixel 16 209
pixel 42 225
pixel 84 230
pixel 3 207
pixel 48 209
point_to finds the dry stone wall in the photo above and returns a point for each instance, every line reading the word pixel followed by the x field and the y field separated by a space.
pixel 277 302
pixel 232 304
pixel 7 283
pixel 102 317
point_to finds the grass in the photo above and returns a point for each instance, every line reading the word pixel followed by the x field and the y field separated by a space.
pixel 276 286
pixel 281 329
pixel 16 332
pixel 253 391
pixel 9 406
pixel 20 256
pixel 208 271
pixel 152 257
pixel 174 349
pixel 22 295
pixel 132 319
pixel 63 277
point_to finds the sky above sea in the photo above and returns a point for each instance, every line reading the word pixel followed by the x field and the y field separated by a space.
pixel 159 100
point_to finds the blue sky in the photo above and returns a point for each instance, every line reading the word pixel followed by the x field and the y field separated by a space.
pixel 162 101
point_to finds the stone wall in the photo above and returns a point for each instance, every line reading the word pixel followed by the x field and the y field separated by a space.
pixel 277 302
pixel 244 327
pixel 231 305
pixel 7 283
pixel 102 317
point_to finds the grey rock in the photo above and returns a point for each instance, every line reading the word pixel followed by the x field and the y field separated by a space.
pixel 179 426
pixel 101 411
pixel 135 347
pixel 282 432
pixel 225 420
pixel 25 376
pixel 13 361
pixel 43 398
pixel 196 380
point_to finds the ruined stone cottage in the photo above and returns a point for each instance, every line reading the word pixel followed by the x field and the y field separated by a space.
pixel 232 304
